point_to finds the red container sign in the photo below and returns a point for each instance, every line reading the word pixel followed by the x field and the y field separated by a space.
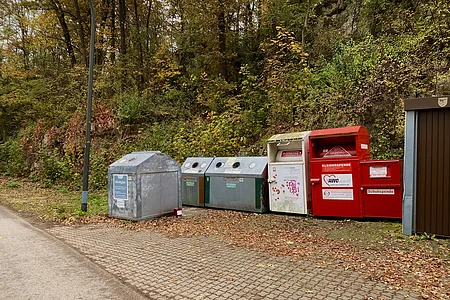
pixel 382 188
pixel 335 156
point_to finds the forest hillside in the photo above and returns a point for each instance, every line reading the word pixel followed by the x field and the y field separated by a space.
pixel 210 77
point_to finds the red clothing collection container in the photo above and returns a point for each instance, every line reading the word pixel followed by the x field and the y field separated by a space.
pixel 335 156
pixel 382 188
pixel 346 183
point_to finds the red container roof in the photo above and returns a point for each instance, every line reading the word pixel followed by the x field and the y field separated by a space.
pixel 351 130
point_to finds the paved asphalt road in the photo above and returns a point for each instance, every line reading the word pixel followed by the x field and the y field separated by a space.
pixel 35 265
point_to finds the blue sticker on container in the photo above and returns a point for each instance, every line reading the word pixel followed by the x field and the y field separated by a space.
pixel 120 187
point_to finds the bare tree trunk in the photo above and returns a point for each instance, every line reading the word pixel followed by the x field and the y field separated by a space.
pixel 258 17
pixel 222 40
pixel 81 32
pixel 147 25
pixel 67 39
pixel 138 38
pixel 304 26
pixel 23 43
pixel 122 20
pixel 104 18
pixel 113 31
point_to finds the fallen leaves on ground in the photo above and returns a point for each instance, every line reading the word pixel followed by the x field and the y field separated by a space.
pixel 376 249
pixel 397 260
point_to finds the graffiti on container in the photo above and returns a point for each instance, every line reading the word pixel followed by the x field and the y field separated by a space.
pixel 293 187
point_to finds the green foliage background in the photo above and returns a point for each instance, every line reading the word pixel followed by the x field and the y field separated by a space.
pixel 220 84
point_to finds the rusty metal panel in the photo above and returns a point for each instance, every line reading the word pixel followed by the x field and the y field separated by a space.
pixel 433 172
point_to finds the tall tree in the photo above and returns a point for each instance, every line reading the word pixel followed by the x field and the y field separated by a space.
pixel 113 31
pixel 147 25
pixel 122 22
pixel 104 13
pixel 222 39
pixel 138 33
pixel 81 33
pixel 66 33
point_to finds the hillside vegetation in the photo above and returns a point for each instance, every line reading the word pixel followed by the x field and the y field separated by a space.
pixel 211 77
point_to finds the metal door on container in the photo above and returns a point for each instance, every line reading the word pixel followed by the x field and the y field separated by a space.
pixel 193 190
pixel 286 188
pixel 336 189
pixel 232 193
pixel 433 172
pixel 381 188
pixel 159 193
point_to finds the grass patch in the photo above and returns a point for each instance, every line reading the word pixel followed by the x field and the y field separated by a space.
pixel 12 184
pixel 54 204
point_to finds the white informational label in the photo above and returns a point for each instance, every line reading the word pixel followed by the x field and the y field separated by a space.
pixel 233 171
pixel 334 194
pixel 364 146
pixel 378 172
pixel 120 203
pixel 192 171
pixel 337 180
pixel 380 192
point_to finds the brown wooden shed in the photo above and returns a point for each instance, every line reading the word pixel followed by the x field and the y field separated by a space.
pixel 426 202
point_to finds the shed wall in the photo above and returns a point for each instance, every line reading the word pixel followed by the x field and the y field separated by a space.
pixel 433 172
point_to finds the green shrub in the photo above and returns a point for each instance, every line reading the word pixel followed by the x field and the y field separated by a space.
pixel 133 109
pixel 12 159
pixel 53 168
pixel 98 178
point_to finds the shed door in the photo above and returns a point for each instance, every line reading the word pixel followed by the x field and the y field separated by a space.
pixel 433 172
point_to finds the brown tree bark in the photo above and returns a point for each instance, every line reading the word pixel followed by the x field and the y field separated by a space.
pixel 122 20
pixel 113 31
pixel 222 40
pixel 139 42
pixel 104 12
pixel 138 28
pixel 81 33
pixel 67 38
pixel 147 25
pixel 304 26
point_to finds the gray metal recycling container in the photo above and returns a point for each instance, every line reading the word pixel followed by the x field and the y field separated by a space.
pixel 143 185
pixel 193 180
pixel 238 183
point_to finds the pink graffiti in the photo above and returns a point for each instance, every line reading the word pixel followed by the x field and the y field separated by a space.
pixel 293 186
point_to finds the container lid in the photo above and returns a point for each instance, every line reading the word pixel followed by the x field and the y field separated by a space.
pixel 251 166
pixel 351 130
pixel 134 159
pixel 196 165
pixel 144 162
pixel 288 136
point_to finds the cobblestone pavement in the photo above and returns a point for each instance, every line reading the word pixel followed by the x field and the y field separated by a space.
pixel 207 268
